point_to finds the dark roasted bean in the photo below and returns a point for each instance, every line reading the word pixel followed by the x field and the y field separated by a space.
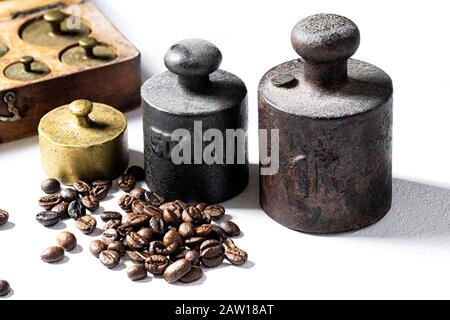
pixel 154 199
pixel 5 288
pixel 217 232
pixel 193 215
pixel 147 233
pixel 66 240
pixel 194 275
pixel 193 256
pixel 138 257
pixel 137 272
pixel 50 186
pixel 48 218
pixel 102 183
pixel 76 210
pixel 136 242
pixel 123 231
pixel 138 193
pixel 112 224
pixel 204 230
pixel 86 224
pixel 194 243
pixel 171 218
pixel 100 192
pixel 202 206
pixel 157 264
pixel 50 201
pixel 156 248
pixel 186 230
pixel 230 228
pixel 63 210
pixel 126 202
pixel 177 270
pixel 137 221
pixel 109 236
pixel 216 212
pixel 118 247
pixel 96 247
pixel 4 217
pixel 157 225
pixel 126 182
pixel 137 172
pixel 109 259
pixel 53 254
pixel 212 253
pixel 83 188
pixel 172 236
pixel 110 215
pixel 180 253
pixel 91 203
pixel 152 211
pixel 173 206
pixel 69 195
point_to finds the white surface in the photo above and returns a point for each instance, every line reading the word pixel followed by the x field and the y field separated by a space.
pixel 404 256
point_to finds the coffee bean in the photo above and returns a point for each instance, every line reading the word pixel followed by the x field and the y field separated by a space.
pixel 112 224
pixel 154 199
pixel 230 228
pixel 171 249
pixel 138 193
pixel 126 202
pixel 123 231
pixel 102 183
pixel 109 236
pixel 194 275
pixel 217 232
pixel 126 182
pixel 156 248
pixel 206 218
pixel 137 272
pixel 66 240
pixel 96 247
pixel 152 211
pixel 100 192
pixel 194 243
pixel 76 210
pixel 50 186
pixel 137 172
pixel 193 215
pixel 233 254
pixel 186 230
pixel 157 225
pixel 216 212
pixel 202 206
pixel 172 236
pixel 174 206
pixel 69 195
pixel 136 242
pixel 147 233
pixel 4 217
pixel 171 218
pixel 109 259
pixel 82 187
pixel 137 221
pixel 180 253
pixel 91 203
pixel 204 230
pixel 177 270
pixel 5 288
pixel 157 264
pixel 50 201
pixel 212 253
pixel 63 210
pixel 118 247
pixel 138 257
pixel 110 215
pixel 53 254
pixel 86 224
pixel 193 256
pixel 48 218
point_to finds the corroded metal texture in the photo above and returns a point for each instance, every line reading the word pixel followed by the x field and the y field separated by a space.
pixel 335 126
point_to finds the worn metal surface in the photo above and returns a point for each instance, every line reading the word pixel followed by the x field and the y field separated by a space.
pixel 54 28
pixel 88 54
pixel 3 49
pixel 26 69
pixel 335 129
pixel 193 90
pixel 84 141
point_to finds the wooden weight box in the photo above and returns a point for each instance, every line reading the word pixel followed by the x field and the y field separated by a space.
pixel 54 52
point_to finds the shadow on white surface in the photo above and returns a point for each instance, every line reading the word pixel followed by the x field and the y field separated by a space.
pixel 7 226
pixel 9 295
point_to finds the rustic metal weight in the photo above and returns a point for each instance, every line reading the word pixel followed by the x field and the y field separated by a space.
pixel 3 49
pixel 54 28
pixel 334 116
pixel 89 53
pixel 193 92
pixel 26 69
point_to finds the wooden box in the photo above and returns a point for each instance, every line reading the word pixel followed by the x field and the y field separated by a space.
pixel 22 104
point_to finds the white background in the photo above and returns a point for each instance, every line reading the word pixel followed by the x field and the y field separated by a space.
pixel 407 255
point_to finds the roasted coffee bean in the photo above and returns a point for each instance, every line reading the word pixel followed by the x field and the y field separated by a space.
pixel 171 249
pixel 172 236
pixel 110 215
pixel 102 183
pixel 147 233
pixel 96 247
pixel 137 272
pixel 180 253
pixel 69 195
pixel 137 172
pixel 109 258
pixel 177 270
pixel 100 192
pixel 193 256
pixel 216 211
pixel 204 230
pixel 118 247
pixel 50 201
pixel 182 204
pixel 138 257
pixel 194 243
pixel 138 193
pixel 157 225
pixel 50 186
pixel 210 244
pixel 187 230
pixel 126 182
pixel 194 275
pixel 91 203
pixel 154 199
pixel 48 218
pixel 193 215
pixel 112 224
pixel 173 206
pixel 152 211
pixel 126 202
pixel 109 236
pixel 236 256
pixel 136 242
pixel 171 218
pixel 157 264
pixel 86 224
pixel 53 254
pixel 138 207
pixel 206 218
pixel 156 248
pixel 217 232
pixel 123 231
pixel 76 210
pixel 230 228
pixel 5 288
pixel 212 253
pixel 137 221
pixel 66 240
pixel 63 210
pixel 4 217
pixel 202 206
pixel 83 188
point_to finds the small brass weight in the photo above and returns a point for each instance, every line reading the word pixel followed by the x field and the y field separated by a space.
pixel 84 141
pixel 54 28
pixel 89 53
pixel 26 69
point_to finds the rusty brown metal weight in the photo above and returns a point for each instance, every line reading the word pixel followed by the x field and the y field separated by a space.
pixel 334 116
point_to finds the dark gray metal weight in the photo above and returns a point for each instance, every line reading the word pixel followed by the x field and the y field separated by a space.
pixel 194 92
pixel 335 122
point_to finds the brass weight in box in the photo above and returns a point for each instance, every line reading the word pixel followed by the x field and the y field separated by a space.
pixel 84 141
pixel 89 53
pixel 26 69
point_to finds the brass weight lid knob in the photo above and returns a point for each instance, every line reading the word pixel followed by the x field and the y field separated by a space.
pixel 55 18
pixel 27 62
pixel 81 109
pixel 88 44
